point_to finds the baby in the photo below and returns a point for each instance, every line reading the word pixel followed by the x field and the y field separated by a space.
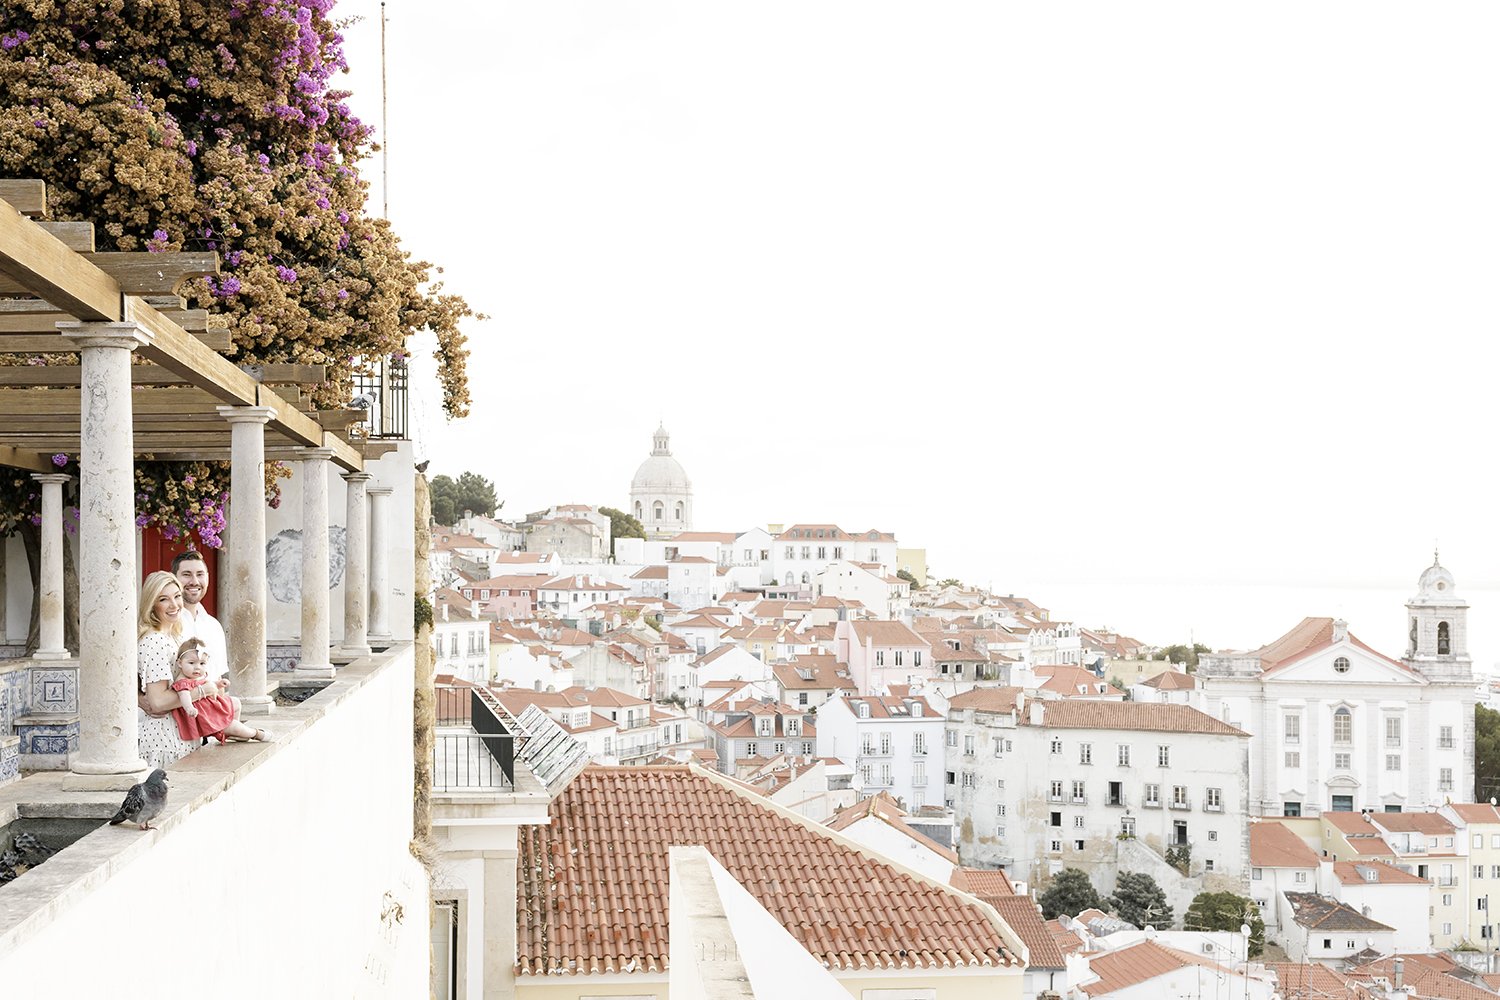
pixel 216 715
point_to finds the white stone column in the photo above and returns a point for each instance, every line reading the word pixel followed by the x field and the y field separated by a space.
pixel 246 624
pixel 380 563
pixel 356 567
pixel 50 599
pixel 108 756
pixel 315 662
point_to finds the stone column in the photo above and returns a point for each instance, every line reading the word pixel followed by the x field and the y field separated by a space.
pixel 356 567
pixel 246 624
pixel 50 611
pixel 380 563
pixel 108 756
pixel 315 662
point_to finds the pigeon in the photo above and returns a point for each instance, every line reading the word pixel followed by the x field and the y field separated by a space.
pixel 144 802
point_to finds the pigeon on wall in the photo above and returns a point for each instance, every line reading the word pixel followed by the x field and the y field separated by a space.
pixel 144 802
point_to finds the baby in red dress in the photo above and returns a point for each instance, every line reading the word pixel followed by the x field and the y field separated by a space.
pixel 217 715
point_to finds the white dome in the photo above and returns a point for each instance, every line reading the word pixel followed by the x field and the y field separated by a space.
pixel 1435 586
pixel 660 472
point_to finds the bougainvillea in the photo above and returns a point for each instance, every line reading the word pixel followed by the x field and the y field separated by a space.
pixel 195 125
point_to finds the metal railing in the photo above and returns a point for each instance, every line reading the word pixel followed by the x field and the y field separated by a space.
pixel 483 758
pixel 383 393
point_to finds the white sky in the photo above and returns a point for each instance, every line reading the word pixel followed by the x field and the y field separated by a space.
pixel 1100 293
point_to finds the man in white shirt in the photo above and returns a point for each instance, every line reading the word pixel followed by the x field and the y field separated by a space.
pixel 192 576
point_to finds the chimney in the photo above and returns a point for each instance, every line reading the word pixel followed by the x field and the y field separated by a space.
pixel 1400 966
pixel 1340 630
pixel 1037 717
pixel 445 611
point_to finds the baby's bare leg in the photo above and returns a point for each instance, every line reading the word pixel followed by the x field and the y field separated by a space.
pixel 238 730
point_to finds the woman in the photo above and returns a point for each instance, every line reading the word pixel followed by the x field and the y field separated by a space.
pixel 157 630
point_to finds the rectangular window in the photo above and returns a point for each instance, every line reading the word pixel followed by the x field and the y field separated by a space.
pixel 1447 928
pixel 885 743
pixel 968 744
pixel 1085 753
pixel 1301 877
pixel 1292 759
pixel 898 657
pixel 1078 794
pixel 1213 835
pixel 864 774
pixel 1179 796
pixel 1445 779
pixel 1256 874
pixel 1056 791
pixel 919 744
pixel 1163 756
pixel 1077 845
pixel 1127 827
pixel 1478 840
pixel 919 773
pixel 1122 754
pixel 807 552
pixel 1445 737
pixel 1479 871
pixel 1494 871
pixel 880 657
pixel 999 746
pixel 1341 761
pixel 1056 819
pixel 1000 809
pixel 1152 796
pixel 1291 809
pixel 1213 799
pixel 867 745
pixel 838 552
pixel 916 657
pixel 885 775
pixel 1393 762
pixel 951 736
pixel 1078 822
pixel 1292 727
pixel 1208 864
pixel 822 552
pixel 1056 745
pixel 1343 726
pixel 1392 731
pixel 1056 847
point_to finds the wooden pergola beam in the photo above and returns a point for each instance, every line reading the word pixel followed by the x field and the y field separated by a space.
pixel 17 458
pixel 29 197
pixel 134 273
pixel 42 265
pixel 71 376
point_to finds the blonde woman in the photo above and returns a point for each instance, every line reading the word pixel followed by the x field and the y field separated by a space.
pixel 157 633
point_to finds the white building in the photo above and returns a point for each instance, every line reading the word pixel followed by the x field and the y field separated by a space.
pixel 1042 785
pixel 1280 862
pixel 895 745
pixel 460 638
pixel 877 588
pixel 1322 929
pixel 661 495
pixel 1339 726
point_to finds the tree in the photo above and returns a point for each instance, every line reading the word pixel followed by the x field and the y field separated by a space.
pixel 206 125
pixel 1486 754
pixel 949 582
pixel 621 525
pixel 1138 900
pixel 906 574
pixel 1183 654
pixel 469 492
pixel 1070 892
pixel 1225 911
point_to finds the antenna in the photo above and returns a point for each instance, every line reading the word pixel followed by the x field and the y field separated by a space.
pixel 385 140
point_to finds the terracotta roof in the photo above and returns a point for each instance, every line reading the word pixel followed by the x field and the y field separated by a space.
pixel 1070 681
pixel 1307 637
pixel 822 669
pixel 1325 913
pixel 592 883
pixel 1076 713
pixel 705 536
pixel 1476 812
pixel 578 581
pixel 1139 963
pixel 882 807
pixel 1351 822
pixel 984 882
pixel 892 708
pixel 1430 824
pixel 986 699
pixel 1374 873
pixel 1315 982
pixel 1025 918
pixel 650 573
pixel 883 633
pixel 456 540
pixel 1067 940
pixel 1171 680
pixel 1424 976
pixel 1274 845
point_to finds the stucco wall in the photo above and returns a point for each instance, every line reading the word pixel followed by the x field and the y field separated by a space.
pixel 297 877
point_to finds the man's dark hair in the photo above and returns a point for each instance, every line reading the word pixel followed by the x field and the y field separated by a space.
pixel 188 556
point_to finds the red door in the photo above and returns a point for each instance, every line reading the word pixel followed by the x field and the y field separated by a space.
pixel 157 552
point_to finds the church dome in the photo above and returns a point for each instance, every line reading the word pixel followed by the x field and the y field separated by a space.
pixel 660 472
pixel 1435 585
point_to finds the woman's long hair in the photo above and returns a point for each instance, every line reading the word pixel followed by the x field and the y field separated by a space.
pixel 151 589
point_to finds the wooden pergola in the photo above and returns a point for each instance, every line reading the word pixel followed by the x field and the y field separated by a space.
pixel 52 274
pixel 151 381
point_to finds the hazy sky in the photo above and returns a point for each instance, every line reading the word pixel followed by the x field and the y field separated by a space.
pixel 1174 293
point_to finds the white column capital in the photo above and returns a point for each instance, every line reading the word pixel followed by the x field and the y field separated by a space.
pixel 314 454
pixel 356 477
pixel 51 477
pixel 380 491
pixel 127 336
pixel 246 414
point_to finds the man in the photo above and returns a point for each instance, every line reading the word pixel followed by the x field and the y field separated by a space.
pixel 192 576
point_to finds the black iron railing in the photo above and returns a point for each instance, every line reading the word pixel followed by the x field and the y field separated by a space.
pixel 483 757
pixel 383 393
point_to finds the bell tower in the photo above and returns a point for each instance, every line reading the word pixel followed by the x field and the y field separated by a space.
pixel 1437 623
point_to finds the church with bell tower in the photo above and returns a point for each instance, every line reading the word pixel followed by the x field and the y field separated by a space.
pixel 1437 644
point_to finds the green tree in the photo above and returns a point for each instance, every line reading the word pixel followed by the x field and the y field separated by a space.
pixel 208 125
pixel 1138 900
pixel 1183 654
pixel 469 492
pixel 906 574
pixel 949 582
pixel 1225 911
pixel 621 525
pixel 1486 754
pixel 1070 892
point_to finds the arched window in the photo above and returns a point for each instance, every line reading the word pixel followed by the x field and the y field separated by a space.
pixel 790 579
pixel 1412 648
pixel 805 578
pixel 657 511
pixel 1443 644
pixel 1343 726
pixel 679 510
pixel 638 512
